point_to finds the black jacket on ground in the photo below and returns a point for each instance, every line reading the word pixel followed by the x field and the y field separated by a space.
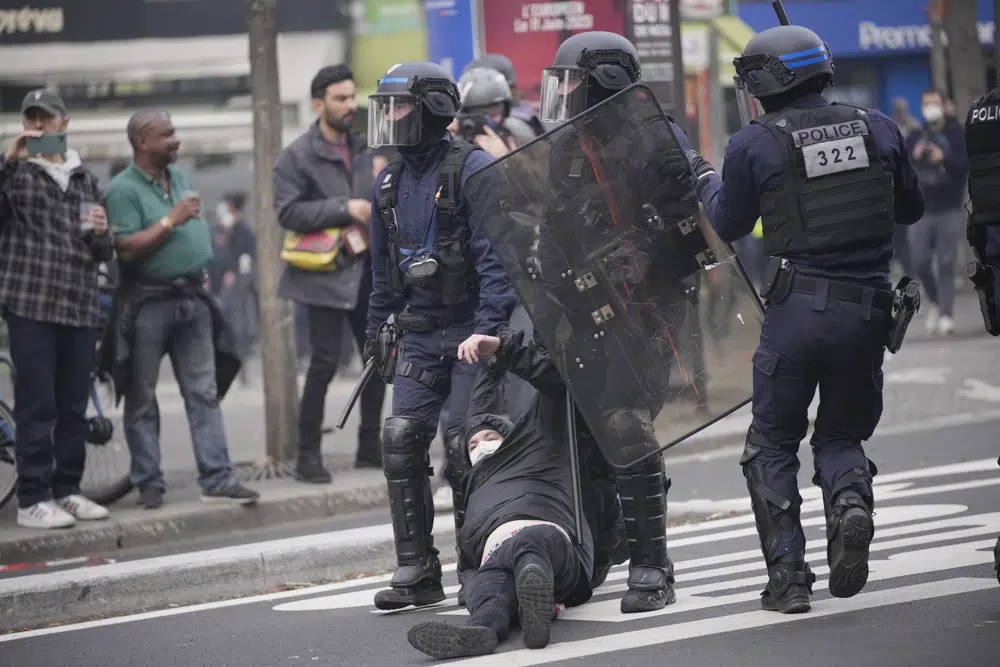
pixel 530 476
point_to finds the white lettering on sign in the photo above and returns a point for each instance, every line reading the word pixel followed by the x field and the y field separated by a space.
pixel 873 37
pixel 553 17
pixel 29 19
pixel 986 114
pixel 833 157
pixel 815 135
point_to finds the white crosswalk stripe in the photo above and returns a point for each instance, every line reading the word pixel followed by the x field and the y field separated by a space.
pixel 722 590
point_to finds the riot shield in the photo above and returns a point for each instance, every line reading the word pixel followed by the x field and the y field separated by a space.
pixel 648 315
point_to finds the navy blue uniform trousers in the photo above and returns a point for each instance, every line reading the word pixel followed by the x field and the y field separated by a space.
pixel 811 342
pixel 436 352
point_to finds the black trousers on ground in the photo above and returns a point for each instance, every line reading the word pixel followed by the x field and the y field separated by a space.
pixel 491 596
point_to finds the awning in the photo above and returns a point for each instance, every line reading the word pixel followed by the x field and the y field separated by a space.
pixel 299 56
pixel 733 35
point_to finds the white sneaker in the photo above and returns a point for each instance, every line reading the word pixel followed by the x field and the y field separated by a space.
pixel 932 319
pixel 443 500
pixel 82 508
pixel 45 515
pixel 946 325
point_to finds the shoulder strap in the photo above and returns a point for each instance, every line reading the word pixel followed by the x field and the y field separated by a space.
pixel 387 199
pixel 449 185
pixel 387 191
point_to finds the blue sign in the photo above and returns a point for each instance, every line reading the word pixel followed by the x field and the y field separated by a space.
pixel 863 27
pixel 451 33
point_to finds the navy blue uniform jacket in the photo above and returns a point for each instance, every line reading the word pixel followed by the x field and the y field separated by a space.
pixel 491 302
pixel 755 160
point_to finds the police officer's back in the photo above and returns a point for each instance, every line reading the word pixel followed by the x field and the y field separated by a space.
pixel 982 130
pixel 829 182
pixel 437 273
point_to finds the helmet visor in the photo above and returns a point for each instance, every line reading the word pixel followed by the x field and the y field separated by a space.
pixel 564 93
pixel 393 120
pixel 749 105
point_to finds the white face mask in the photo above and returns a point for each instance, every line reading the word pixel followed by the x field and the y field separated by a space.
pixel 933 113
pixel 485 448
pixel 224 215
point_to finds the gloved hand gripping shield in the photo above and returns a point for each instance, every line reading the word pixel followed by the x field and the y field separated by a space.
pixel 624 280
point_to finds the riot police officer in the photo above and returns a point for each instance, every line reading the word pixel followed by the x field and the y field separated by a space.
pixel 522 120
pixel 982 131
pixel 486 102
pixel 830 182
pixel 587 69
pixel 439 275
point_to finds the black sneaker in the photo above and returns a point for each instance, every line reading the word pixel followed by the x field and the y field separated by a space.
pixel 233 494
pixel 444 641
pixel 311 470
pixel 151 497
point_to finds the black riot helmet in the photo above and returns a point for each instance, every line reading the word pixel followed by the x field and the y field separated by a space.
pixel 588 68
pixel 497 61
pixel 779 60
pixel 412 106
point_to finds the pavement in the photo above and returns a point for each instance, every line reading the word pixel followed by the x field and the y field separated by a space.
pixel 931 381
pixel 932 598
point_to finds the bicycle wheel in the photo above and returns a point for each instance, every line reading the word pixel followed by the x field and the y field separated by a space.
pixel 105 475
pixel 8 468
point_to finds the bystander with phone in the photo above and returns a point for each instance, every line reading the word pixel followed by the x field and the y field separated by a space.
pixel 53 235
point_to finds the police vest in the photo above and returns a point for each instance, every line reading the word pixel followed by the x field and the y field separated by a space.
pixel 456 273
pixel 982 135
pixel 834 193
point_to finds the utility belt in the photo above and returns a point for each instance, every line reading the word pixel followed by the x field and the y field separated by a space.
pixel 902 303
pixel 424 322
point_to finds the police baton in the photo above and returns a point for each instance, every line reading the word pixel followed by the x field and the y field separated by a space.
pixel 779 9
pixel 366 375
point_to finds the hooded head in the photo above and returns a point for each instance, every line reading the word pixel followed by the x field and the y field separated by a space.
pixel 485 435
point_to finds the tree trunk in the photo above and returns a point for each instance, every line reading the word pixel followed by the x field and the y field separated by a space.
pixel 277 320
pixel 939 59
pixel 965 54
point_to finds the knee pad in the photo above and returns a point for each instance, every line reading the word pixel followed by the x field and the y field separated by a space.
pixel 404 448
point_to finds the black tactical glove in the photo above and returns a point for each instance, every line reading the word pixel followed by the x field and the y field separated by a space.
pixel 700 165
pixel 369 350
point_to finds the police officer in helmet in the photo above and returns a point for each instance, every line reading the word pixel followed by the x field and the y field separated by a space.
pixel 830 182
pixel 486 103
pixel 522 120
pixel 589 68
pixel 982 132
pixel 438 274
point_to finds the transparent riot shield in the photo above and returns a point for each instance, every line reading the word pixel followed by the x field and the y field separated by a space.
pixel 648 315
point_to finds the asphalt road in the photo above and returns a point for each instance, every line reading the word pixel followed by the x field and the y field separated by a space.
pixel 932 599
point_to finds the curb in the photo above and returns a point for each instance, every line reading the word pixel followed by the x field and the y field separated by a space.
pixel 189 520
pixel 118 589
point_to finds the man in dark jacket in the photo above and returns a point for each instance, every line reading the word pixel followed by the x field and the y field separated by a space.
pixel 323 180
pixel 518 524
pixel 939 158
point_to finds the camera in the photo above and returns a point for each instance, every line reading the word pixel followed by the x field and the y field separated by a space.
pixel 472 125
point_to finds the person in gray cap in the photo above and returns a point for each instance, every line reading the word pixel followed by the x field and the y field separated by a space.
pixel 53 234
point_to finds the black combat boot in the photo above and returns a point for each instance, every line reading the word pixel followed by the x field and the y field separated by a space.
pixel 789 585
pixel 849 530
pixel 644 504
pixel 417 580
pixel 309 468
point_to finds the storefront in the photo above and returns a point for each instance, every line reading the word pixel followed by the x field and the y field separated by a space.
pixel 881 47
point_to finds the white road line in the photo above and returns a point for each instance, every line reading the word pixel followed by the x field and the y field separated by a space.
pixel 667 634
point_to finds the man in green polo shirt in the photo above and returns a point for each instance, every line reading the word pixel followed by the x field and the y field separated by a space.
pixel 164 247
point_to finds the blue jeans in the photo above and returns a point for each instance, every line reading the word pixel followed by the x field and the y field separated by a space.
pixel 936 237
pixel 51 390
pixel 182 328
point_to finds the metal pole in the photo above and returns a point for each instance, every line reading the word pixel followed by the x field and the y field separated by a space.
pixel 277 321
pixel 779 9
pixel 677 51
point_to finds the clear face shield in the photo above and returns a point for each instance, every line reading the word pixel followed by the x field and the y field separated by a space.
pixel 393 120
pixel 564 94
pixel 749 105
